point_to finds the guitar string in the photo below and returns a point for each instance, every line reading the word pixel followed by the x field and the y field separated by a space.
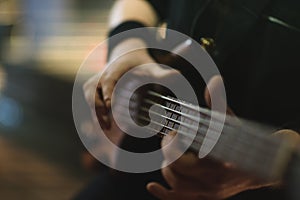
pixel 229 120
pixel 214 115
pixel 202 134
pixel 198 138
pixel 203 121
pixel 169 99
pixel 224 155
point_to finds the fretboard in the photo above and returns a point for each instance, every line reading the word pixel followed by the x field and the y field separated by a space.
pixel 247 145
pixel 251 149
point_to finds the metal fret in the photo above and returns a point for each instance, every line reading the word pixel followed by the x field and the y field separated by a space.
pixel 252 151
pixel 235 145
pixel 171 115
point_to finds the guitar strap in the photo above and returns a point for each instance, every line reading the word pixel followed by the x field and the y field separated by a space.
pixel 236 26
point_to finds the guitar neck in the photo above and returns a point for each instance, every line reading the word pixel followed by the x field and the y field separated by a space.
pixel 245 144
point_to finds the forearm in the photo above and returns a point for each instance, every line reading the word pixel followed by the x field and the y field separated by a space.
pixel 132 10
pixel 126 15
pixel 126 46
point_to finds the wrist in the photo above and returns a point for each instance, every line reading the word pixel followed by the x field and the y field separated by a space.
pixel 145 36
pixel 136 45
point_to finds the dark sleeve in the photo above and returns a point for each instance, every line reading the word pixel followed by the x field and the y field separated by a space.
pixel 161 8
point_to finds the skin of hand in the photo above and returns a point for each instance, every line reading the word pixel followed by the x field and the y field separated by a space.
pixel 204 179
pixel 132 10
pixel 105 82
pixel 123 10
pixel 116 67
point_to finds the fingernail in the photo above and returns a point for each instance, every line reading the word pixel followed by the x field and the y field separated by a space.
pixel 151 188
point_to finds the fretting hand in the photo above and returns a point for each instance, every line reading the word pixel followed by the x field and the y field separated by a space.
pixel 203 179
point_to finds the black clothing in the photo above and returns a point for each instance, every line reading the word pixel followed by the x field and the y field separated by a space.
pixel 261 75
pixel 261 72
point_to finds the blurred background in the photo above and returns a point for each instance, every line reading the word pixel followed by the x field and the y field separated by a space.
pixel 42 44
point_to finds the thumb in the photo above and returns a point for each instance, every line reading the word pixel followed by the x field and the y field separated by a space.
pixel 215 90
pixel 291 136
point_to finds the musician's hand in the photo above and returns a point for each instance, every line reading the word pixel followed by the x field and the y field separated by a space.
pixel 291 136
pixel 201 179
pixel 122 60
pixel 105 85
pixel 105 82
pixel 192 178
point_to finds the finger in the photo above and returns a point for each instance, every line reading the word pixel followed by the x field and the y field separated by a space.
pixel 158 191
pixel 89 97
pixel 168 138
pixel 102 111
pixel 291 136
pixel 99 105
pixel 89 84
pixel 172 148
pixel 98 119
pixel 173 180
pixel 107 89
pixel 93 94
pixel 214 90
pixel 104 120
pixel 177 151
pixel 183 169
pixel 162 193
pixel 180 180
